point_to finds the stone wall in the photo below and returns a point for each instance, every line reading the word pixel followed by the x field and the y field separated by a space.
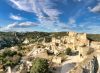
pixel 75 41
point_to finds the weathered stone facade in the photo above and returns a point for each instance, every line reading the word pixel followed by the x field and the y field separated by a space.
pixel 75 41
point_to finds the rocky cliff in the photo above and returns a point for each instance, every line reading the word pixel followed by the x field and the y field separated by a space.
pixel 89 65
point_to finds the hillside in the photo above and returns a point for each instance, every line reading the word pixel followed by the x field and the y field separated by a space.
pixel 8 39
pixel 61 49
pixel 93 37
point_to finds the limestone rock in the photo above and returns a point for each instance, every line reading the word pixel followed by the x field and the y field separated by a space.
pixel 26 41
pixel 89 65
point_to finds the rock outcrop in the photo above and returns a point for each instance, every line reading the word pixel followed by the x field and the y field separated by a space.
pixel 89 65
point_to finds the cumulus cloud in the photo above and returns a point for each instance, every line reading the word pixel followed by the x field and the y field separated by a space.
pixel 18 25
pixel 16 17
pixel 8 26
pixel 27 24
pixel 95 9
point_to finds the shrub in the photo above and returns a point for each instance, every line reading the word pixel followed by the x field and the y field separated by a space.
pixel 10 58
pixel 68 51
pixel 40 66
pixel 9 53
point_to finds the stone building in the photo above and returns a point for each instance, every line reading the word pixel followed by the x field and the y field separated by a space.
pixel 74 40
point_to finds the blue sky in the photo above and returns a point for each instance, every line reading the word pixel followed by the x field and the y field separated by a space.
pixel 50 15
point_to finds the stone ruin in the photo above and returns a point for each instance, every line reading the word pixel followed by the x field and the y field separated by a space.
pixel 75 41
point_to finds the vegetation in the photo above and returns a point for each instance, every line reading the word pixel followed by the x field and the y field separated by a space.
pixel 68 51
pixel 63 56
pixel 58 35
pixel 40 66
pixel 10 58
pixel 8 39
pixel 48 39
pixel 93 37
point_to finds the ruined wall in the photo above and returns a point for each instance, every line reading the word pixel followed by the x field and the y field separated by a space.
pixel 75 41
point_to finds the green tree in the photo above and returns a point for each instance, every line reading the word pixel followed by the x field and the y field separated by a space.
pixel 10 58
pixel 9 53
pixel 40 66
pixel 68 51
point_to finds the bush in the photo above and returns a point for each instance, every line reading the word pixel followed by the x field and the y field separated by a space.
pixel 68 51
pixel 9 53
pixel 10 58
pixel 40 66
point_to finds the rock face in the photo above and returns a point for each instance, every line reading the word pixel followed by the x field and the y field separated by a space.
pixel 89 65
pixel 26 41
pixel 95 44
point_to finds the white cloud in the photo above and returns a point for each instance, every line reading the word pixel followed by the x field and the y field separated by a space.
pixel 27 24
pixel 42 8
pixel 22 5
pixel 87 28
pixel 17 25
pixel 71 21
pixel 46 14
pixel 95 9
pixel 92 29
pixel 77 0
pixel 8 27
pixel 15 17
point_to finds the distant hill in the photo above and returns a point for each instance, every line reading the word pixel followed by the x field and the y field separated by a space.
pixel 8 39
pixel 93 37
